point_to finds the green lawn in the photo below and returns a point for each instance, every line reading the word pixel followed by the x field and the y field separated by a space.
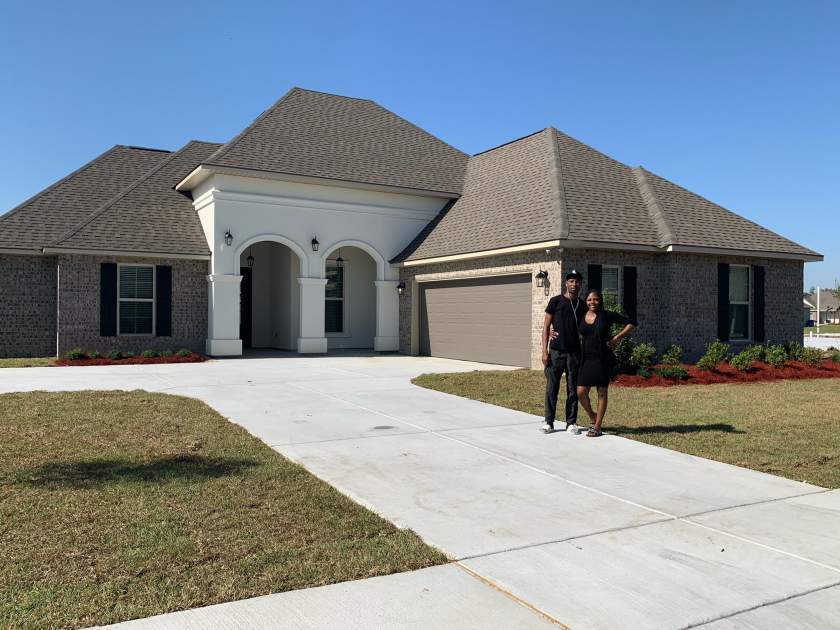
pixel 787 428
pixel 33 362
pixel 824 328
pixel 118 505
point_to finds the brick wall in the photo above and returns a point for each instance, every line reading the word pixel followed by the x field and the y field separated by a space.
pixel 676 293
pixel 78 306
pixel 28 306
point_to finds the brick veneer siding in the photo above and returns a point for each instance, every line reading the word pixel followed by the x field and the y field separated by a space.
pixel 676 293
pixel 78 306
pixel 28 306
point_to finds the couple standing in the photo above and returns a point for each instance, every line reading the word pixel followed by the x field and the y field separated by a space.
pixel 576 341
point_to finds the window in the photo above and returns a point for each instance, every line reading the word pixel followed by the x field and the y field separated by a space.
pixel 334 298
pixel 136 291
pixel 610 286
pixel 739 302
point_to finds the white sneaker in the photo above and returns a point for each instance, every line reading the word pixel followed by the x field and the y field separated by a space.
pixel 573 429
pixel 547 427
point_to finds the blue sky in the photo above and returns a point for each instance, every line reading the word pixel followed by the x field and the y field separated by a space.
pixel 737 101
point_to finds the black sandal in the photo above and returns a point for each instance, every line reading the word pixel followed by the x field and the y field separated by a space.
pixel 593 432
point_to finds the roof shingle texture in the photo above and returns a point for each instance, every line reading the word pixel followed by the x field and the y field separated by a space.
pixel 324 135
pixel 150 216
pixel 46 216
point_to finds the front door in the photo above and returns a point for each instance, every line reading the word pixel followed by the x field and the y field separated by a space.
pixel 245 307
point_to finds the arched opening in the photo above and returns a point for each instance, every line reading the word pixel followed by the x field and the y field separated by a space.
pixel 350 298
pixel 269 314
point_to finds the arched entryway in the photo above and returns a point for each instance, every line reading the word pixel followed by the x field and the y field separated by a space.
pixel 269 315
pixel 350 298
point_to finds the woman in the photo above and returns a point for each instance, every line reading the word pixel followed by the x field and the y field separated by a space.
pixel 597 359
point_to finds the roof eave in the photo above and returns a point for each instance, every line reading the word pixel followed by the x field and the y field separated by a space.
pixel 130 253
pixel 725 251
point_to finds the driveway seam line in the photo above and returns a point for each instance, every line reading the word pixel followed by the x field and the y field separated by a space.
pixel 755 503
pixel 759 606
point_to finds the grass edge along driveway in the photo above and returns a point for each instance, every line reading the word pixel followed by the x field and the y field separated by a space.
pixel 120 505
pixel 787 428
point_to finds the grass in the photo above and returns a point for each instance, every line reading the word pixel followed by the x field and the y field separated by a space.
pixel 824 328
pixel 118 505
pixel 27 362
pixel 787 428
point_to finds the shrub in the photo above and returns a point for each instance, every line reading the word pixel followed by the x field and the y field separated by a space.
pixel 115 355
pixel 836 357
pixel 812 356
pixel 150 354
pixel 672 371
pixel 643 372
pixel 715 355
pixel 673 355
pixel 756 352
pixel 94 355
pixel 776 356
pixel 794 350
pixel 183 352
pixel 642 355
pixel 127 354
pixel 166 353
pixel 742 361
pixel 75 354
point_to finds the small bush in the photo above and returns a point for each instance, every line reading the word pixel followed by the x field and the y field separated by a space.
pixel 150 354
pixel 742 361
pixel 94 355
pixel 776 356
pixel 812 357
pixel 756 352
pixel 715 355
pixel 183 352
pixel 794 350
pixel 166 353
pixel 643 372
pixel 673 355
pixel 127 354
pixel 642 355
pixel 673 371
pixel 836 357
pixel 75 354
pixel 115 355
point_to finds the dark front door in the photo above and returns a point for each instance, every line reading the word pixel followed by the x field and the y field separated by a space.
pixel 245 307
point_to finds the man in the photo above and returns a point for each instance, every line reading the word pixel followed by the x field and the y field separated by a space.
pixel 562 353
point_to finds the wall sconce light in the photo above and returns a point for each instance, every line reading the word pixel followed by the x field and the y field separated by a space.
pixel 250 258
pixel 401 288
pixel 339 262
pixel 228 238
pixel 315 244
pixel 541 277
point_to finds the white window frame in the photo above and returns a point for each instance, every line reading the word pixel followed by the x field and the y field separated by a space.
pixel 153 300
pixel 620 283
pixel 345 319
pixel 748 303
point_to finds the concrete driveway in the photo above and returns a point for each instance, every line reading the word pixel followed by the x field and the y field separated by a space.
pixel 605 533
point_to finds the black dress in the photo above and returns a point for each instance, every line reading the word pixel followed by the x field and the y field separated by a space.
pixel 595 358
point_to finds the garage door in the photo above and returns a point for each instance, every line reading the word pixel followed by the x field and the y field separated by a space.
pixel 481 319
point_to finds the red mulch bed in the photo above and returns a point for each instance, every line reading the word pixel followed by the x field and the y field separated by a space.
pixel 138 360
pixel 759 373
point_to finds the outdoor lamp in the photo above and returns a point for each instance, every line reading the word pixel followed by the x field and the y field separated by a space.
pixel 401 288
pixel 250 258
pixel 541 277
pixel 228 238
pixel 315 244
pixel 339 262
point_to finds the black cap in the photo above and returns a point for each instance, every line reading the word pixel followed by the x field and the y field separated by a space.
pixel 574 273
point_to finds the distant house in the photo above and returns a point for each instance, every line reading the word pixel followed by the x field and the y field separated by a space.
pixel 331 222
pixel 829 307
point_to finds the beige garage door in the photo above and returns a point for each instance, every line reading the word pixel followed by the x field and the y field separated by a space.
pixel 483 319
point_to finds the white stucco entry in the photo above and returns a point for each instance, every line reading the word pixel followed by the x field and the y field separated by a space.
pixel 291 212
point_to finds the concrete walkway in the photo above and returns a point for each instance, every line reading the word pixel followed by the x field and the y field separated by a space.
pixel 605 533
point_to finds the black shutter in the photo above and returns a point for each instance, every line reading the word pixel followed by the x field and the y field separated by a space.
pixel 108 299
pixel 723 302
pixel 593 278
pixel 163 301
pixel 630 304
pixel 758 307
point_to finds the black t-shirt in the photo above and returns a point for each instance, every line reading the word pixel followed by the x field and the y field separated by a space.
pixel 566 315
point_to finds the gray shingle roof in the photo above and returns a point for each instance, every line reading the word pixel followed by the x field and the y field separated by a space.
pixel 336 137
pixel 46 216
pixel 549 186
pixel 828 300
pixel 150 216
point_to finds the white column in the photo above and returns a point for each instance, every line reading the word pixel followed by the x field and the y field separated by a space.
pixel 312 338
pixel 387 316
pixel 223 316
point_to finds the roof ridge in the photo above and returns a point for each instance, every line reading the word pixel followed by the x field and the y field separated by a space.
pixel 83 167
pixel 99 211
pixel 666 234
pixel 561 218
pixel 504 144
pixel 417 127
pixel 133 146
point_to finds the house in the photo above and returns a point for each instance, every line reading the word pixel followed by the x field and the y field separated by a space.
pixel 829 307
pixel 331 222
